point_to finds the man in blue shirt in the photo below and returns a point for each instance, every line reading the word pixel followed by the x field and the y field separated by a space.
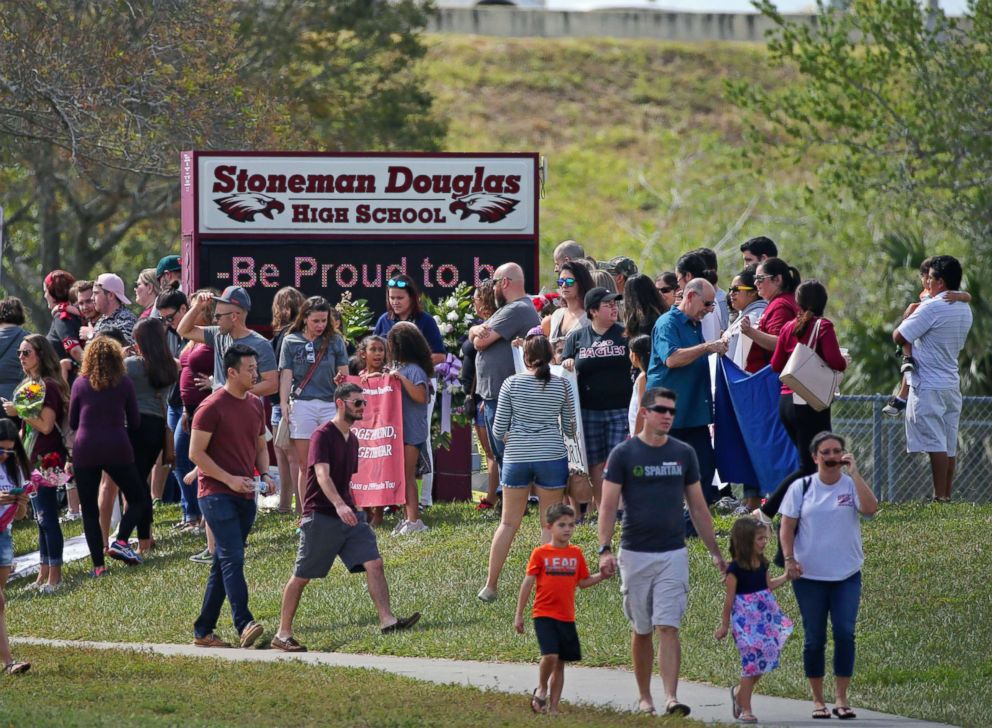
pixel 679 362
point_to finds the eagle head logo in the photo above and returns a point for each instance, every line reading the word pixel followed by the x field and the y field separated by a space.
pixel 245 205
pixel 489 207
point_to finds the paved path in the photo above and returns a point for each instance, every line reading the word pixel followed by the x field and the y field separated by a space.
pixel 611 688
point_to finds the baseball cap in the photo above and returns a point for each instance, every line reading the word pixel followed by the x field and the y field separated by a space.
pixel 112 283
pixel 235 295
pixel 624 266
pixel 168 264
pixel 598 295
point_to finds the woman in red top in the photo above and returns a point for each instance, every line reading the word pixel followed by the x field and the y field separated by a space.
pixel 777 282
pixel 801 421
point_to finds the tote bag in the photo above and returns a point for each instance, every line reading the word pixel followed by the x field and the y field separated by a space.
pixel 808 375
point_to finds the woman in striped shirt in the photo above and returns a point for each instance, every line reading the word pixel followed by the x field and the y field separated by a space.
pixel 533 414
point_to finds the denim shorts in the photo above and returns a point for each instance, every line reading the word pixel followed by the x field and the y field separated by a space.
pixel 6 547
pixel 543 473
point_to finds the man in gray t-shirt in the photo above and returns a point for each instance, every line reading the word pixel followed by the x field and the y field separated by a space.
pixel 232 308
pixel 494 362
pixel 655 474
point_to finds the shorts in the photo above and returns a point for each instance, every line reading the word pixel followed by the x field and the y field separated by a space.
pixel 555 637
pixel 603 430
pixel 542 473
pixel 932 417
pixel 655 588
pixel 6 547
pixel 323 538
pixel 306 415
pixel 480 414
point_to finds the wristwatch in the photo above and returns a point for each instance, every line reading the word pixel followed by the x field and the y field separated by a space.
pixel 604 548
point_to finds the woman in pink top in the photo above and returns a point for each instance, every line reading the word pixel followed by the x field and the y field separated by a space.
pixel 777 282
pixel 801 421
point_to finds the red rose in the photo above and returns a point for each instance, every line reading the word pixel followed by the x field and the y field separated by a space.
pixel 51 460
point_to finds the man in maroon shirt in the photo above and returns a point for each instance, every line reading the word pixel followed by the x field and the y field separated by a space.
pixel 226 466
pixel 331 527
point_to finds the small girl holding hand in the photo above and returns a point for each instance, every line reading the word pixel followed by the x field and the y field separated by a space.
pixel 760 629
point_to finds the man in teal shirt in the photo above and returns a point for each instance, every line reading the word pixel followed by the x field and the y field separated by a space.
pixel 679 362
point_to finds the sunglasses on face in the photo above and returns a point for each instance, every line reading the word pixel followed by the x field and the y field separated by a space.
pixel 762 278
pixel 219 316
pixel 170 318
pixel 566 282
pixel 661 409
pixel 395 283
pixel 709 304
pixel 358 402
pixel 24 353
pixel 738 289
pixel 665 290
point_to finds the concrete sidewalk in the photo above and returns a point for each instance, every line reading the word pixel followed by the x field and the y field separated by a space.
pixel 611 688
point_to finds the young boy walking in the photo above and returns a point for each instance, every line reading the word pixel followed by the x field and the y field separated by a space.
pixel 556 568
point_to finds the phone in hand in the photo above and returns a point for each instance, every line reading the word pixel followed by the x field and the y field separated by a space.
pixel 16 491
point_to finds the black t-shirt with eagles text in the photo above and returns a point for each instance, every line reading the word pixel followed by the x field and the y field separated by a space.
pixel 602 366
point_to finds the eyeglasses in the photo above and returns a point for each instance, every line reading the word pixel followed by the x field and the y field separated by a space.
pixel 738 289
pixel 661 409
pixel 762 278
pixel 219 316
pixel 5 451
pixel 170 318
pixel 24 353
pixel 566 282
pixel 396 283
pixel 709 304
pixel 357 402
pixel 665 290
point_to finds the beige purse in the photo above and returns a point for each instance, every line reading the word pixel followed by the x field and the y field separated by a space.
pixel 282 440
pixel 809 376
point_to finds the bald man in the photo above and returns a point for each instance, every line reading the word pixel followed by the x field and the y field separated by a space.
pixel 565 251
pixel 679 362
pixel 514 317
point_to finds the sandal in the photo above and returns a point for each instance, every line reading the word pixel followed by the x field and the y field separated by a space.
pixel 821 714
pixel 538 705
pixel 17 668
pixel 844 712
pixel 734 707
pixel 747 718
pixel 674 707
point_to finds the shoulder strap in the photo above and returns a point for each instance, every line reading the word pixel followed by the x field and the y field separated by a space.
pixel 814 334
pixel 313 367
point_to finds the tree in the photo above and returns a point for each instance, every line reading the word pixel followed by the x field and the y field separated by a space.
pixel 892 102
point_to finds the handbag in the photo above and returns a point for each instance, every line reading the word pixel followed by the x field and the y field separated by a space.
pixel 579 487
pixel 809 376
pixel 282 439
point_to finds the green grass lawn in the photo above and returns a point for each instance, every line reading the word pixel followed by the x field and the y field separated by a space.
pixel 98 688
pixel 924 643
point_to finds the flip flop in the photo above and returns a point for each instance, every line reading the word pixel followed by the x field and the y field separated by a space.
pixel 821 714
pixel 844 713
pixel 677 708
pixel 747 718
pixel 538 705
pixel 734 707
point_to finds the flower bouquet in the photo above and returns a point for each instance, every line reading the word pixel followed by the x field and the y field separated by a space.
pixel 454 316
pixel 51 471
pixel 29 401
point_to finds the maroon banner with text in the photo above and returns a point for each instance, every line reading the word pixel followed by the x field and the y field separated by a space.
pixel 380 477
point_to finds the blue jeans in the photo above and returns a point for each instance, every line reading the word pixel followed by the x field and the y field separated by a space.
pixel 839 600
pixel 230 518
pixel 489 410
pixel 45 503
pixel 187 493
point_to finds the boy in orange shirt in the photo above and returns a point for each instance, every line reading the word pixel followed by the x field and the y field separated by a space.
pixel 557 568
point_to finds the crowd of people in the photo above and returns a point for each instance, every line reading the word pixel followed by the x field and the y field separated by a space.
pixel 115 406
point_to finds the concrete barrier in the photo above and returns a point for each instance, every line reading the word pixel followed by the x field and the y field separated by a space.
pixel 523 23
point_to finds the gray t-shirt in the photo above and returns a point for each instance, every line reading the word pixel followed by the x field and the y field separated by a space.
pixel 415 424
pixel 495 363
pixel 653 482
pixel 222 342
pixel 299 354
pixel 151 401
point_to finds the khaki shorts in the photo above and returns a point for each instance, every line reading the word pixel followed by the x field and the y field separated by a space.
pixel 932 417
pixel 306 415
pixel 655 588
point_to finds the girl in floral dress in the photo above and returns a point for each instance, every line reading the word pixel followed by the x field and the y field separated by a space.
pixel 760 629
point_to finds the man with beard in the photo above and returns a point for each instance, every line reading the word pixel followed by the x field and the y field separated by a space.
pixel 515 316
pixel 331 526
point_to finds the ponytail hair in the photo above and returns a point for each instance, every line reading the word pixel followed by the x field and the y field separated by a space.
pixel 537 356
pixel 811 296
pixel 778 267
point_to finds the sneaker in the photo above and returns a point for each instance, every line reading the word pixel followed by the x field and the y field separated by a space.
pixel 49 588
pixel 399 527
pixel 412 527
pixel 210 640
pixel 99 571
pixel 252 631
pixel 484 505
pixel 286 645
pixel 741 510
pixel 726 505
pixel 487 595
pixel 123 552
pixel 71 516
pixel 908 365
pixel 204 557
pixel 894 406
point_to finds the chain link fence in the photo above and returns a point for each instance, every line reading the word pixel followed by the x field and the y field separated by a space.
pixel 879 444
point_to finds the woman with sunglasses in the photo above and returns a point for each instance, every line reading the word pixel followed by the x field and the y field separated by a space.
pixel 42 433
pixel 642 306
pixel 313 359
pixel 744 299
pixel 776 282
pixel 667 285
pixel 146 290
pixel 14 471
pixel 574 281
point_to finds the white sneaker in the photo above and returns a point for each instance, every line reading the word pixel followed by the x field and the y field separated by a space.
pixel 400 526
pixel 412 527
